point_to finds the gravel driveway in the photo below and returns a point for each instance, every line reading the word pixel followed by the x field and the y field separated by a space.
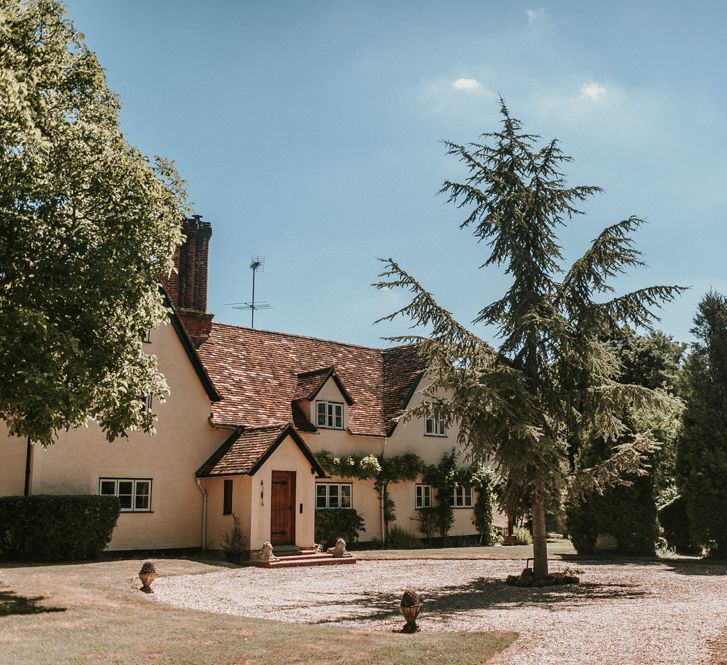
pixel 621 613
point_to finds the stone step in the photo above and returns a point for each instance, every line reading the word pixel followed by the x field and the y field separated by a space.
pixel 320 559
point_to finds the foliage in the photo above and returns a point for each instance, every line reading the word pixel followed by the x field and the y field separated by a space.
pixel 522 536
pixel 352 466
pixel 336 523
pixel 628 511
pixel 56 528
pixel 401 539
pixel 443 477
pixel 428 521
pixel 674 522
pixel 234 540
pixel 702 448
pixel 483 482
pixel 551 387
pixel 88 225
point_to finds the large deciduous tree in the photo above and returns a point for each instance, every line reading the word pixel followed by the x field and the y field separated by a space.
pixel 702 448
pixel 552 382
pixel 88 224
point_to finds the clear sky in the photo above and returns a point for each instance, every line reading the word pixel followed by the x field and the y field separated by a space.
pixel 309 133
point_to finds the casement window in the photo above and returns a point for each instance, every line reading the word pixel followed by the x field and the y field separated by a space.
pixel 146 336
pixel 333 495
pixel 134 493
pixel 148 403
pixel 434 425
pixel 423 496
pixel 461 497
pixel 227 498
pixel 329 414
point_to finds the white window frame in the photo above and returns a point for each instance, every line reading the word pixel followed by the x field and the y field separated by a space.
pixel 422 496
pixel 136 484
pixel 461 497
pixel 339 493
pixel 332 414
pixel 148 403
pixel 434 425
pixel 146 336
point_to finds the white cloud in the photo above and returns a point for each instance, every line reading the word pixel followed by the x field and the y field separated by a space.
pixel 466 85
pixel 535 15
pixel 593 91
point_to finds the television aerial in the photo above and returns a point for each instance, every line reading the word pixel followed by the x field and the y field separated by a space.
pixel 257 263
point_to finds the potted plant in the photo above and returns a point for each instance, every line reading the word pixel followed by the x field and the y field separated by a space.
pixel 233 542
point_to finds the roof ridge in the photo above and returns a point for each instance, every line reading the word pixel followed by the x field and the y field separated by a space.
pixel 315 339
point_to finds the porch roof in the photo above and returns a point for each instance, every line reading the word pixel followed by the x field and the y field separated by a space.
pixel 246 450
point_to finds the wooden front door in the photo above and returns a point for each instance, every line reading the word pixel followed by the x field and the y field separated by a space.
pixel 282 508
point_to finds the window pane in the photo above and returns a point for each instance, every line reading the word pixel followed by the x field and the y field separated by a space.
pixel 345 496
pixel 321 421
pixel 428 429
pixel 143 490
pixel 333 496
pixel 321 496
pixel 108 488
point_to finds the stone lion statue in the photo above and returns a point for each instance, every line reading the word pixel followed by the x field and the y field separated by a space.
pixel 266 552
pixel 340 549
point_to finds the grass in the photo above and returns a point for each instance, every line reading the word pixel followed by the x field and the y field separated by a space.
pixel 94 613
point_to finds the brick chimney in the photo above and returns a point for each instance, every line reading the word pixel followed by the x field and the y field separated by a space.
pixel 187 287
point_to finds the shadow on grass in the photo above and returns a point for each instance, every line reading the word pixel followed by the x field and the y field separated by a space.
pixel 483 594
pixel 12 603
pixel 704 566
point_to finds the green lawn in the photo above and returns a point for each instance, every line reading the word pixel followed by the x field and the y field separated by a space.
pixel 94 613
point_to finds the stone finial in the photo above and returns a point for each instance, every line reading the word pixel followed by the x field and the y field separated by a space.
pixel 147 574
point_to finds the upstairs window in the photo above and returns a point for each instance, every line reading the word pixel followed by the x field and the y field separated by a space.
pixel 461 497
pixel 329 414
pixel 134 493
pixel 434 425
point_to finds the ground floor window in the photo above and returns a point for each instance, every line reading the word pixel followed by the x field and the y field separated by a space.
pixel 423 496
pixel 461 497
pixel 333 495
pixel 134 493
pixel 227 498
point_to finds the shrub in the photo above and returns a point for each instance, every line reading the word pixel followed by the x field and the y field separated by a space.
pixel 483 511
pixel 56 528
pixel 401 539
pixel 628 513
pixel 234 541
pixel 522 536
pixel 675 523
pixel 428 522
pixel 335 523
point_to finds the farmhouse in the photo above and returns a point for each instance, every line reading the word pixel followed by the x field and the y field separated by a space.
pixel 248 414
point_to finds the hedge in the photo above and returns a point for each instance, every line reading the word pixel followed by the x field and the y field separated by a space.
pixel 56 528
pixel 675 523
pixel 335 523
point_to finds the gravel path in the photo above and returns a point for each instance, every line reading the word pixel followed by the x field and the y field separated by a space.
pixel 621 613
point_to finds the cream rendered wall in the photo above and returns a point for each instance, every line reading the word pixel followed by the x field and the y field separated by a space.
pixel 219 524
pixel 184 440
pixel 286 457
pixel 12 463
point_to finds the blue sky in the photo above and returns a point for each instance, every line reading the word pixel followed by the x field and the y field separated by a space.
pixel 309 133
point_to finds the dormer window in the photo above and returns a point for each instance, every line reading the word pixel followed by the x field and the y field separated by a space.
pixel 329 414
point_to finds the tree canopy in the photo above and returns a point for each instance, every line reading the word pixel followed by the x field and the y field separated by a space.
pixel 89 224
pixel 553 378
pixel 702 448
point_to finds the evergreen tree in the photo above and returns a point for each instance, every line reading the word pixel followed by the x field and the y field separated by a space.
pixel 702 448
pixel 552 378
pixel 88 225
pixel 628 511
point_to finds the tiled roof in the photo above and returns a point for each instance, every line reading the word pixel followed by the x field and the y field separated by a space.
pixel 246 450
pixel 259 373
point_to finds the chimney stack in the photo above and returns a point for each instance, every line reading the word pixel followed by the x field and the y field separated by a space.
pixel 187 287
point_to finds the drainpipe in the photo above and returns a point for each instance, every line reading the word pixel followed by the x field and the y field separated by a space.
pixel 382 499
pixel 202 489
pixel 28 466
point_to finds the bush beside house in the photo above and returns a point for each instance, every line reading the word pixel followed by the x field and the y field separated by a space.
pixel 56 528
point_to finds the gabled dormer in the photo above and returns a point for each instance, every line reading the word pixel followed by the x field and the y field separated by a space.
pixel 321 395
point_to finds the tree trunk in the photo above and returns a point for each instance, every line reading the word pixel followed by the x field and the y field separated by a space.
pixel 540 543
